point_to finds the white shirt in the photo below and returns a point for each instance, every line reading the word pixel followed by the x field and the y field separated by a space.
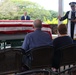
pixel 25 17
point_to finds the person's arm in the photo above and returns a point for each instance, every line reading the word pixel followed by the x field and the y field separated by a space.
pixel 74 20
pixel 22 18
pixel 25 45
pixel 64 17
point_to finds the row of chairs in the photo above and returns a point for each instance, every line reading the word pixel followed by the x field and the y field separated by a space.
pixel 11 60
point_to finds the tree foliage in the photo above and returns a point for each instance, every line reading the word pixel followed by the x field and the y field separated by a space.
pixel 14 9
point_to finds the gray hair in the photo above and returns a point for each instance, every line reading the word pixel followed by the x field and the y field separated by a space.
pixel 37 23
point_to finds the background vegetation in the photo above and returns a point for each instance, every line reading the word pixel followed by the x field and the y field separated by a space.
pixel 14 9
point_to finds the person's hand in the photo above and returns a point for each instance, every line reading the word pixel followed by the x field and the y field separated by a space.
pixel 73 20
pixel 59 17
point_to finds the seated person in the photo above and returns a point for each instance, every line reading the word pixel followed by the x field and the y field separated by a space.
pixel 35 39
pixel 62 40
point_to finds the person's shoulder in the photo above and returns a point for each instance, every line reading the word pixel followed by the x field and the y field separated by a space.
pixel 69 37
pixel 28 16
pixel 29 34
pixel 56 38
pixel 59 39
pixel 46 33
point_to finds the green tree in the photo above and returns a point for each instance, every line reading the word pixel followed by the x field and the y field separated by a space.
pixel 8 10
pixel 14 9
pixel 54 14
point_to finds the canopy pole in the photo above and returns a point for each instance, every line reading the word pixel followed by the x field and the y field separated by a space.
pixel 60 10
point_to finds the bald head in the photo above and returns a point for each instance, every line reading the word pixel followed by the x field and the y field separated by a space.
pixel 38 24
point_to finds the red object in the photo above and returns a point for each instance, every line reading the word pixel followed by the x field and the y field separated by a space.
pixel 20 26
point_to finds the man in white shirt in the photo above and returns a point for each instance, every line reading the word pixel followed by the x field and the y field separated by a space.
pixel 25 16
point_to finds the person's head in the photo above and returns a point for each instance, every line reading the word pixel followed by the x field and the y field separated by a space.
pixel 25 13
pixel 62 29
pixel 72 5
pixel 37 24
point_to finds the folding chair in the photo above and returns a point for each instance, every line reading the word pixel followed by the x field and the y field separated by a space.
pixel 41 60
pixel 68 55
pixel 10 60
pixel 42 57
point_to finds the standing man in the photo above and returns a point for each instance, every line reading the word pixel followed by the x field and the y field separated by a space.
pixel 25 16
pixel 71 16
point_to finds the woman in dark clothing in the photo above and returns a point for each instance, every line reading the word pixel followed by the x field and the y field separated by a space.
pixel 62 40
